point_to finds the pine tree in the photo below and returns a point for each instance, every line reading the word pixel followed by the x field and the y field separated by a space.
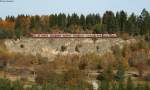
pixel 82 21
pixel 130 85
pixel 120 72
pixel 131 25
pixel 109 21
pixel 121 19
pixel 104 85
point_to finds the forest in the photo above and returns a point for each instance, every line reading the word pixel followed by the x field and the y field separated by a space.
pixel 119 22
pixel 126 68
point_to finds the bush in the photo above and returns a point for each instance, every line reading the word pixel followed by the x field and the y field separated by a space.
pixel 77 48
pixel 63 48
pixel 120 75
pixel 125 36
pixel 51 79
pixel 5 84
pixel 107 74
pixel 17 85
pixel 147 77
pixel 82 64
pixel 147 37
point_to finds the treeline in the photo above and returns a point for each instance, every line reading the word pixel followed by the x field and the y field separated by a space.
pixel 6 84
pixel 110 22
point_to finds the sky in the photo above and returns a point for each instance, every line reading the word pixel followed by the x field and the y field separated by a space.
pixel 46 7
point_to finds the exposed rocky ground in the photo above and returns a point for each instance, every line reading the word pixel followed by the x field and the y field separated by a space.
pixel 49 48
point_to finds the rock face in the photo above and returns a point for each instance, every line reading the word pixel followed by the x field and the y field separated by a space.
pixel 49 48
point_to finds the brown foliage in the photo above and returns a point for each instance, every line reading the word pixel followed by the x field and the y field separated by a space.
pixel 22 60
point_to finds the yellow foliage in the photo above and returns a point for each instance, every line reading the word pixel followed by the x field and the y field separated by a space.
pixel 108 60
pixel 3 51
pixel 125 63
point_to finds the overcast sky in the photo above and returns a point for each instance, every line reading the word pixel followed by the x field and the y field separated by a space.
pixel 44 7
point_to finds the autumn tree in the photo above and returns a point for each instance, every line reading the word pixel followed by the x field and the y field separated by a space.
pixel 110 22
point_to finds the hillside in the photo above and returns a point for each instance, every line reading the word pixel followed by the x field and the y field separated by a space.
pixel 49 48
pixel 73 60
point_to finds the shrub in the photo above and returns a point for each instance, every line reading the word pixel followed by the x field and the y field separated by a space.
pixel 5 84
pixel 125 36
pixel 147 77
pixel 82 64
pixel 147 37
pixel 21 46
pixel 78 47
pixel 120 75
pixel 130 84
pixel 107 74
pixel 97 48
pixel 45 74
pixel 17 85
pixel 63 48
